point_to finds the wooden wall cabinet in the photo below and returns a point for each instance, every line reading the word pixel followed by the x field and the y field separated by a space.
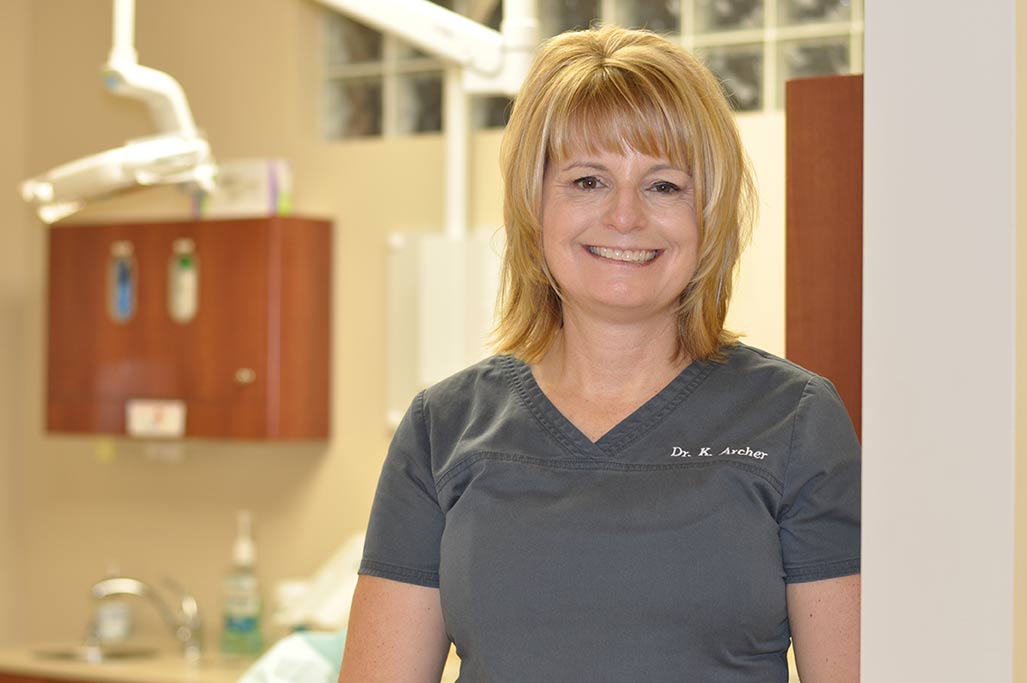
pixel 252 364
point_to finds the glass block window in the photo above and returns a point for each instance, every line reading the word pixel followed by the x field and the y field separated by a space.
pixel 566 15
pixel 740 68
pixel 377 85
pixel 661 16
pixel 715 16
pixel 353 107
pixel 491 111
pixel 813 11
pixel 754 46
pixel 811 57
pixel 420 102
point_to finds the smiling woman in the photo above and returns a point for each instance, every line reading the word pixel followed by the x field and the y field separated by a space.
pixel 619 92
pixel 626 492
pixel 619 234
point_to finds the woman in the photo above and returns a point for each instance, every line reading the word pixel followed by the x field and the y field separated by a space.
pixel 627 493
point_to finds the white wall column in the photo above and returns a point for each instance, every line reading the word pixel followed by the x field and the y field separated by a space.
pixel 939 343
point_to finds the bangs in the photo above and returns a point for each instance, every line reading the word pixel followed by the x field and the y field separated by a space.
pixel 618 113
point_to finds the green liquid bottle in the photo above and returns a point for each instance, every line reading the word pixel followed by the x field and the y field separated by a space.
pixel 242 635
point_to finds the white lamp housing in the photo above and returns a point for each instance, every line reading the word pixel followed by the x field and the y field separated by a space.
pixel 178 154
pixel 159 159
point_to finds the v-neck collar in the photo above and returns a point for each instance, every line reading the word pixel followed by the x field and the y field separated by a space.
pixel 625 432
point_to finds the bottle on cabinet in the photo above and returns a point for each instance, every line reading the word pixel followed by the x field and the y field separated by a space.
pixel 183 281
pixel 122 275
pixel 242 634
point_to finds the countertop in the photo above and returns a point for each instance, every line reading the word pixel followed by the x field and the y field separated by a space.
pixel 167 666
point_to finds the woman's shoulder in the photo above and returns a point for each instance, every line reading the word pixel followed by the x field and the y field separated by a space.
pixel 482 375
pixel 757 374
pixel 754 363
pixel 477 387
pixel 759 378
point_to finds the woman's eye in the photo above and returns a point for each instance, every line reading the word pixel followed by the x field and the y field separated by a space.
pixel 589 182
pixel 665 187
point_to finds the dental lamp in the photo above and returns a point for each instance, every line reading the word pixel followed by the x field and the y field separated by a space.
pixel 176 154
pixel 489 62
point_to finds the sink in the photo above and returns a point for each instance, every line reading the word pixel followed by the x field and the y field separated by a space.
pixel 97 653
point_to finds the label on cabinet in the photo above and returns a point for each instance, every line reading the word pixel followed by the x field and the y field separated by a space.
pixel 153 418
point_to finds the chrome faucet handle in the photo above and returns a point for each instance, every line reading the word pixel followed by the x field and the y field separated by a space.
pixel 184 622
pixel 189 631
pixel 189 628
pixel 187 604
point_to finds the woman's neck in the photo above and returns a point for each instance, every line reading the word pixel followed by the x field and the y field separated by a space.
pixel 611 361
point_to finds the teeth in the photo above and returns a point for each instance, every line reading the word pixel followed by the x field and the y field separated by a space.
pixel 628 255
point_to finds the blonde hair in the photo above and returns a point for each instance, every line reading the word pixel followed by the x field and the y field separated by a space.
pixel 613 89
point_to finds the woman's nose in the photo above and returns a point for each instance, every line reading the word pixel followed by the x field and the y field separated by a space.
pixel 626 211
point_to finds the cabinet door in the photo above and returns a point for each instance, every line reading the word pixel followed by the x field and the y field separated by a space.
pixel 96 361
pixel 224 349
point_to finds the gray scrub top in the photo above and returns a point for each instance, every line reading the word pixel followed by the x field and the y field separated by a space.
pixel 659 553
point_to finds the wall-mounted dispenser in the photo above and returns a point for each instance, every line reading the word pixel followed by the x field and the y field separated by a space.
pixel 183 280
pixel 122 274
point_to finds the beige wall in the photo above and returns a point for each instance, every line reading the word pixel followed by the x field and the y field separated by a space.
pixel 758 305
pixel 14 295
pixel 249 68
pixel 1020 525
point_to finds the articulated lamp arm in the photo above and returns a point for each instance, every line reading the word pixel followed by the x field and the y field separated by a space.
pixel 494 62
pixel 123 75
pixel 491 61
pixel 177 154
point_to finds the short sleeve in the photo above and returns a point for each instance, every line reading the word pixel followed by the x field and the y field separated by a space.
pixel 819 518
pixel 406 524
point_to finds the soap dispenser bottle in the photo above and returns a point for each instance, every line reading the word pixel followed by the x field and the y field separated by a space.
pixel 242 605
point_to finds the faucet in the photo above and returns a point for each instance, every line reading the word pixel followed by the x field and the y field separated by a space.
pixel 184 621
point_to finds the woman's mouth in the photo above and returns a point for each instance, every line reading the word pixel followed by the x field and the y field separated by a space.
pixel 624 255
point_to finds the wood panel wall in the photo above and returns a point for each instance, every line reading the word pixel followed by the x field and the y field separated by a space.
pixel 824 231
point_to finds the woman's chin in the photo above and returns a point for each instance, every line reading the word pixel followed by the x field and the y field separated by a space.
pixel 622 308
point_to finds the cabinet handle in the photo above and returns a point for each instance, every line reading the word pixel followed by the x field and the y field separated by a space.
pixel 245 376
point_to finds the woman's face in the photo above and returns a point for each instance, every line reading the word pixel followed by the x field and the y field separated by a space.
pixel 619 234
